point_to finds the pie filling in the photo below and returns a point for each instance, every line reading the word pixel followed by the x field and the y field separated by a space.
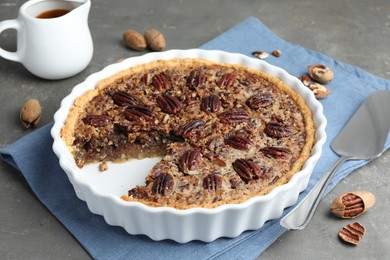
pixel 225 132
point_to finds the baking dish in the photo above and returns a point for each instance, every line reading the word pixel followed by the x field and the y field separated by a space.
pixel 102 190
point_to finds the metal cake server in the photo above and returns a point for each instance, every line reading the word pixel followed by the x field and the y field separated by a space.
pixel 362 138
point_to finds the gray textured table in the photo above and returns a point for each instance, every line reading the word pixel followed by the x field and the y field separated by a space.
pixel 355 32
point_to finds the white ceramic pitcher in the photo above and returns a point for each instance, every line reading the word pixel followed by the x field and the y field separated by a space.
pixel 53 48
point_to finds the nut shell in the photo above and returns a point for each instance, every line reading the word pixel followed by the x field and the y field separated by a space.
pixel 30 113
pixel 320 73
pixel 134 40
pixel 155 39
pixel 352 204
pixel 319 90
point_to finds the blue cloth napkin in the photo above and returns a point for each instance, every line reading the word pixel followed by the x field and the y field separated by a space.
pixel 33 157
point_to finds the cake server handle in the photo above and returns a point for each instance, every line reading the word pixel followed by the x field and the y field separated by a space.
pixel 300 216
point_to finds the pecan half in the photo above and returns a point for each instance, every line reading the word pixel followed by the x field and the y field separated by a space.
pixel 124 99
pixel 212 182
pixel 276 53
pixel 234 116
pixel 168 104
pixel 227 80
pixel 352 233
pixel 161 81
pixel 191 128
pixel 145 79
pixel 260 100
pixel 163 184
pixel 136 112
pixel 278 130
pixel 196 79
pixel 238 142
pixel 248 80
pixel 276 152
pixel 190 160
pixel 210 103
pixel 246 169
pixel 97 120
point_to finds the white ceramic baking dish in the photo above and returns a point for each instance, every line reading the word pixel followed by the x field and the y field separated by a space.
pixel 102 190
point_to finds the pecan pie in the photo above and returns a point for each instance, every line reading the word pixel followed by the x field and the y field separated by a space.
pixel 225 132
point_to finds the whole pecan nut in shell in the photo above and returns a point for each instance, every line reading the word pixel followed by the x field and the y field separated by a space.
pixel 352 204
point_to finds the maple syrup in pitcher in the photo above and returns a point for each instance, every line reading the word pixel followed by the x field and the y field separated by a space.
pixel 53 13
pixel 45 27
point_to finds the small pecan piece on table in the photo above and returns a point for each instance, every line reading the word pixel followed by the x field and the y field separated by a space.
pixel 163 184
pixel 262 55
pixel 319 90
pixel 247 169
pixel 352 233
pixel 306 80
pixel 276 53
pixel 168 104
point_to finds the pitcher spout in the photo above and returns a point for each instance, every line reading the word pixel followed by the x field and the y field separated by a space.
pixel 83 7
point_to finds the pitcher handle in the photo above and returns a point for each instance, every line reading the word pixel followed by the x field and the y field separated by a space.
pixel 10 24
